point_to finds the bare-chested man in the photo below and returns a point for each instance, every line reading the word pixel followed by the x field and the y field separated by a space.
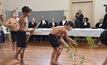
pixel 21 34
pixel 13 25
pixel 54 39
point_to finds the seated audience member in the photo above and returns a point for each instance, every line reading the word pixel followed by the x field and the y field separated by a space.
pixel 44 23
pixel 53 23
pixel 63 21
pixel 86 23
pixel 78 21
pixel 99 24
pixel 32 24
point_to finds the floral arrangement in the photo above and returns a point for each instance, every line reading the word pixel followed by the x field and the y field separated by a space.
pixel 74 56
pixel 91 42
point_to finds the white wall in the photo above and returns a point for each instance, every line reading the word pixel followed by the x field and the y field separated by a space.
pixel 52 5
pixel 80 0
pixel 1 7
pixel 37 5
pixel 99 9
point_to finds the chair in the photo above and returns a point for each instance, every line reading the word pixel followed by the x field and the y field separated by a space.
pixel 2 41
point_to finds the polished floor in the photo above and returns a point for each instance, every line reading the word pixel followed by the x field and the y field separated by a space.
pixel 38 53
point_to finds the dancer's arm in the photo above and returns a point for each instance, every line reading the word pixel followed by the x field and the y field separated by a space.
pixel 8 23
pixel 70 40
pixel 65 35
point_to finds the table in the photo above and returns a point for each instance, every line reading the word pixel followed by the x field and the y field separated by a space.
pixel 86 32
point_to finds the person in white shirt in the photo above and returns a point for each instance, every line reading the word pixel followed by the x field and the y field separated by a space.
pixel 53 23
pixel 63 21
pixel 99 24
pixel 86 23
pixel 44 23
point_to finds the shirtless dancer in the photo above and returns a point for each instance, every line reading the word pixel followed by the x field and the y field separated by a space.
pixel 54 39
pixel 21 34
pixel 12 24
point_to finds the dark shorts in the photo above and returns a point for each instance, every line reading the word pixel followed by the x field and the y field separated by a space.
pixel 21 39
pixel 2 37
pixel 13 35
pixel 103 37
pixel 54 41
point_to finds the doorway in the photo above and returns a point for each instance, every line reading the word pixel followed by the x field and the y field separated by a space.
pixel 85 6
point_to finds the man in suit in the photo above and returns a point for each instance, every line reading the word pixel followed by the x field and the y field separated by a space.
pixel 32 24
pixel 53 23
pixel 86 23
pixel 99 24
pixel 63 21
pixel 44 23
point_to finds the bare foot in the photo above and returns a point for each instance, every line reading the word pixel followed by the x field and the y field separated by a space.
pixel 16 57
pixel 59 63
pixel 23 63
pixel 55 63
pixel 50 63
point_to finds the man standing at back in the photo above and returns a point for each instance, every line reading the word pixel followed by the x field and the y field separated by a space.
pixel 13 25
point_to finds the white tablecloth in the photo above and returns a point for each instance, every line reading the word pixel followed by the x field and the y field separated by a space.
pixel 74 32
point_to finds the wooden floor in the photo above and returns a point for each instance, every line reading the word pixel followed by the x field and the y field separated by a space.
pixel 38 53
